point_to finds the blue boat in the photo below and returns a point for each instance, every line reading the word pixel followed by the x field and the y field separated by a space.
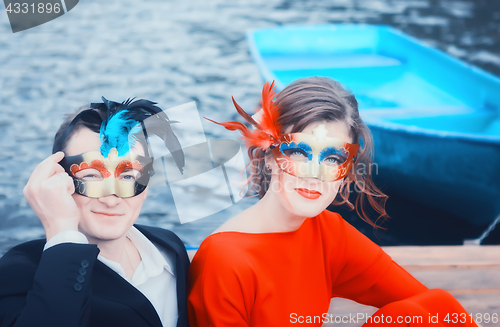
pixel 435 119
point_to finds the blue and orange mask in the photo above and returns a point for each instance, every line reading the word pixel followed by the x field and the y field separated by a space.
pixel 311 156
pixel 298 154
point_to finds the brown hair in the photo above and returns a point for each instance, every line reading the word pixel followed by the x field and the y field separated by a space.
pixel 68 118
pixel 315 99
pixel 64 133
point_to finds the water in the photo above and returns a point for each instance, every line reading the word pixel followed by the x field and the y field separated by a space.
pixel 176 52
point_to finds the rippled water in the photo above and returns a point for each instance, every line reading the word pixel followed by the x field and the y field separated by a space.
pixel 173 53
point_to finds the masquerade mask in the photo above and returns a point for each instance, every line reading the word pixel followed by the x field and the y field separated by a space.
pixel 307 155
pixel 113 169
pixel 95 176
pixel 299 154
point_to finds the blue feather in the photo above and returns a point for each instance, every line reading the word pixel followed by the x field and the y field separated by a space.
pixel 115 133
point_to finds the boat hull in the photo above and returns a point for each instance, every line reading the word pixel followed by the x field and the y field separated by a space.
pixel 435 120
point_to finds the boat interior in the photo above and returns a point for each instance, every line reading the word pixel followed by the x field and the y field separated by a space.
pixel 395 78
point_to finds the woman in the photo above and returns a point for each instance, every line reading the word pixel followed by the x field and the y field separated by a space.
pixel 96 268
pixel 282 260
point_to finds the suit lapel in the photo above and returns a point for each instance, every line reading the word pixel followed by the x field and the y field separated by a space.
pixel 171 242
pixel 109 285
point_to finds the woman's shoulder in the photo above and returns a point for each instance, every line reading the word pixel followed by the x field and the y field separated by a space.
pixel 223 246
pixel 334 224
pixel 331 221
pixel 224 255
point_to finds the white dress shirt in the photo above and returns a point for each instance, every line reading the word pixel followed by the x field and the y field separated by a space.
pixel 154 276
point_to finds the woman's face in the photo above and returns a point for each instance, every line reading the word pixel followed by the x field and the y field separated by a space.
pixel 307 197
pixel 109 217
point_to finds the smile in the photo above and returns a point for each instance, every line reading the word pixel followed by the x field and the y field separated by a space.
pixel 107 214
pixel 308 194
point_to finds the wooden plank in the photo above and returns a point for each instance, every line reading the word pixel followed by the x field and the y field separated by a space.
pixel 450 267
pixel 459 279
pixel 445 255
pixel 470 273
pixel 453 257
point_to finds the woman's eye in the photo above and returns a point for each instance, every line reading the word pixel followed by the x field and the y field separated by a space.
pixel 296 154
pixel 334 160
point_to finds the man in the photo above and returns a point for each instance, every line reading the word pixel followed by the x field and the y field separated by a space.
pixel 96 268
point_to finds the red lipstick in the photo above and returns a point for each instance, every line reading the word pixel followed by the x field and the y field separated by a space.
pixel 308 194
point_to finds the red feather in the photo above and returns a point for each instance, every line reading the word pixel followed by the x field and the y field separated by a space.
pixel 270 114
pixel 244 114
pixel 256 137
pixel 267 131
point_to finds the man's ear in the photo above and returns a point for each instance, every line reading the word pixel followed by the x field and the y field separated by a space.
pixel 145 192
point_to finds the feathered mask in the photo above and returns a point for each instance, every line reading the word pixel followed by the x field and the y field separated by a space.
pixel 117 122
pixel 265 121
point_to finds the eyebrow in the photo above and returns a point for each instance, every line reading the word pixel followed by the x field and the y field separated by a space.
pixel 126 164
pixel 329 151
pixel 94 164
pixel 302 146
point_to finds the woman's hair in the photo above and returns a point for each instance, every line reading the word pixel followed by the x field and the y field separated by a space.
pixel 316 99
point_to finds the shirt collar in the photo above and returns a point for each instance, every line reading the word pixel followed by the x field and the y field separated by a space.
pixel 152 260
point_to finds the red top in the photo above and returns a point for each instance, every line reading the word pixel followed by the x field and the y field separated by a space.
pixel 260 279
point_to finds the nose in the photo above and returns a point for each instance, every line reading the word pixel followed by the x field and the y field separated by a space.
pixel 313 168
pixel 110 200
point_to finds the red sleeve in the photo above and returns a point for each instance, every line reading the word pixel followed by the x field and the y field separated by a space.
pixel 436 303
pixel 216 294
pixel 369 276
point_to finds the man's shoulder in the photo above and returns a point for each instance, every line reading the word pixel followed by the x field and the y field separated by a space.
pixel 27 252
pixel 20 264
pixel 163 237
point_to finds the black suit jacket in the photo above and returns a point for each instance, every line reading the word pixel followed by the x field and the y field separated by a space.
pixel 67 286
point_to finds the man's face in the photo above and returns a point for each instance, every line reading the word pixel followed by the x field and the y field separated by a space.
pixel 106 218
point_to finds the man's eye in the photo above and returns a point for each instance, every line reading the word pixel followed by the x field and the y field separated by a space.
pixel 89 174
pixel 129 175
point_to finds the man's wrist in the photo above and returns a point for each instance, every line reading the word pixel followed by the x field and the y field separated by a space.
pixel 67 236
pixel 58 226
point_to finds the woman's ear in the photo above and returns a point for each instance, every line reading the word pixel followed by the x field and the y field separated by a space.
pixel 269 162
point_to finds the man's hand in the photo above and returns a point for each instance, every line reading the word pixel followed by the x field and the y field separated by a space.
pixel 48 192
